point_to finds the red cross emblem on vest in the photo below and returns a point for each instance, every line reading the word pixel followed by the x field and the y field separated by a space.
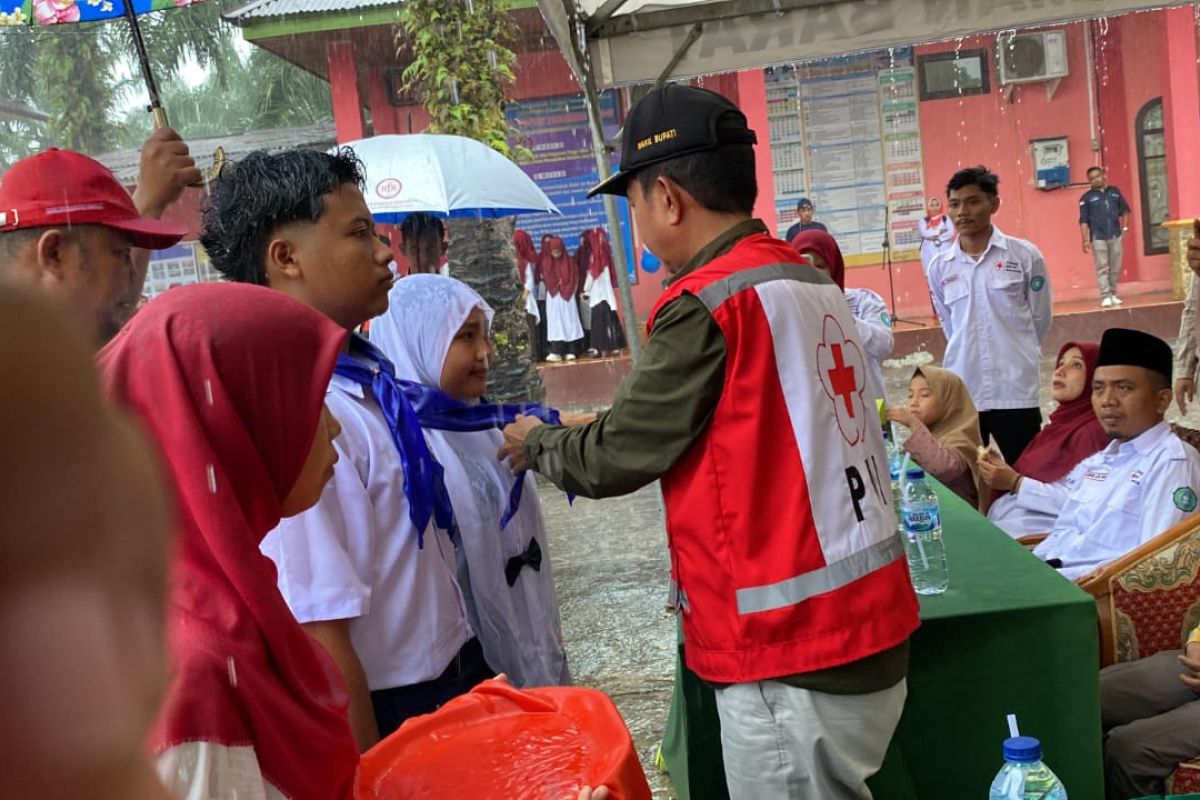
pixel 843 373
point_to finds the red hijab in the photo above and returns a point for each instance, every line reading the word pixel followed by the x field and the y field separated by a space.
pixel 824 245
pixel 1073 434
pixel 229 380
pixel 526 255
pixel 595 254
pixel 561 274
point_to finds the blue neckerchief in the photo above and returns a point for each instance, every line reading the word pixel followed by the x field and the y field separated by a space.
pixel 424 480
pixel 437 410
pixel 418 406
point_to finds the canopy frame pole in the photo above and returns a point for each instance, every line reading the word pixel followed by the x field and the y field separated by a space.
pixel 604 170
pixel 604 13
pixel 686 45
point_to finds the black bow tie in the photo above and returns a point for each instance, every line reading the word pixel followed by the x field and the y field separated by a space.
pixel 532 556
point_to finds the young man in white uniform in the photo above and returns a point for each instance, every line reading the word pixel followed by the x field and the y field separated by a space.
pixel 1145 481
pixel 992 294
pixel 379 592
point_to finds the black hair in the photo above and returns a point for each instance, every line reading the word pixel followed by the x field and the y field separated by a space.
pixel 1158 380
pixel 719 180
pixel 417 225
pixel 253 197
pixel 979 176
pixel 1094 168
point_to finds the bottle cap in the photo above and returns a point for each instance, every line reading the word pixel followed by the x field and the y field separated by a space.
pixel 1023 749
pixel 914 473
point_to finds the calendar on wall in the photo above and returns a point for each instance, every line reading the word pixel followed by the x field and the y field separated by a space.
pixel 845 133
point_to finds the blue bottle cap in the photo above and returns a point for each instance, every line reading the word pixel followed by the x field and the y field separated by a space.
pixel 914 473
pixel 1022 749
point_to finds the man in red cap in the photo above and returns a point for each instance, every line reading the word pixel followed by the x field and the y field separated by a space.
pixel 68 227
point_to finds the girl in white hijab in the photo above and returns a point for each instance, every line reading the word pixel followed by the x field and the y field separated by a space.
pixel 436 332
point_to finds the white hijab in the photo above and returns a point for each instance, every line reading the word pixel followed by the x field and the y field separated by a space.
pixel 518 626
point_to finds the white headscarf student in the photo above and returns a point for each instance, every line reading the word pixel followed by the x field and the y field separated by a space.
pixel 517 624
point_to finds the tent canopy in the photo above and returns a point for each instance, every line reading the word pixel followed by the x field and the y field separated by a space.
pixel 639 41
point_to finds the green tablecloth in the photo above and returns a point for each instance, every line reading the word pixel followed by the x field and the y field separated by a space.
pixel 1009 635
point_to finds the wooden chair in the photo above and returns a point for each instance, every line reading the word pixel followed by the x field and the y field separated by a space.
pixel 1148 601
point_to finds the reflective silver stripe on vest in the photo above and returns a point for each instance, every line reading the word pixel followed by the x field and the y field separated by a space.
pixel 717 293
pixel 800 588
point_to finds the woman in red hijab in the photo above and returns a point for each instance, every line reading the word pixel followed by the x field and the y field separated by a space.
pixel 563 327
pixel 1039 483
pixel 600 279
pixel 530 276
pixel 229 380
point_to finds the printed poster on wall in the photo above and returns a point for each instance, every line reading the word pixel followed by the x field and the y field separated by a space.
pixel 845 133
pixel 555 130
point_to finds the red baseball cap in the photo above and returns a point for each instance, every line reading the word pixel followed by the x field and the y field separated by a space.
pixel 59 188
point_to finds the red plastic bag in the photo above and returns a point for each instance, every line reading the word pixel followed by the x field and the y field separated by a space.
pixel 498 741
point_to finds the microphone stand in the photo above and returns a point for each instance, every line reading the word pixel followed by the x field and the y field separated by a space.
pixel 885 261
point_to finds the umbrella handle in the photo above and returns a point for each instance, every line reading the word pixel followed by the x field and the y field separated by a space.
pixel 160 117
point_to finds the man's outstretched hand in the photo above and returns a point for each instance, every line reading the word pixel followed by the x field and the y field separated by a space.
pixel 514 443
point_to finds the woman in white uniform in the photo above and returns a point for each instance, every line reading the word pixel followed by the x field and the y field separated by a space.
pixel 564 329
pixel 605 337
pixel 937 232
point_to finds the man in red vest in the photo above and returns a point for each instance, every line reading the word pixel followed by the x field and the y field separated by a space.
pixel 750 405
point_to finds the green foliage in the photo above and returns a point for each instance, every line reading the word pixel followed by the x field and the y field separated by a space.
pixel 462 66
pixel 260 93
pixel 87 79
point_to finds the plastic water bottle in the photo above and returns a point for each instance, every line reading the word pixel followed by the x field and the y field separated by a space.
pixel 893 458
pixel 923 535
pixel 1024 776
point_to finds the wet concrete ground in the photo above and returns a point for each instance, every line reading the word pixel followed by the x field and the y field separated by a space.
pixel 611 569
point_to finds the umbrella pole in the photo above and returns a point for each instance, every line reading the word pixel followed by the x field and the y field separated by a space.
pixel 604 169
pixel 139 45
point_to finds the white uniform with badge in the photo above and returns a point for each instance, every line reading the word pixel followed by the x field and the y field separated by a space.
pixel 995 312
pixel 874 325
pixel 1124 496
pixel 1033 507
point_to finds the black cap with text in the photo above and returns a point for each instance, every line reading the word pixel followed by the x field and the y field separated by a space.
pixel 671 122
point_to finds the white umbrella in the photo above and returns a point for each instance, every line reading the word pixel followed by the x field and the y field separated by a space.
pixel 446 176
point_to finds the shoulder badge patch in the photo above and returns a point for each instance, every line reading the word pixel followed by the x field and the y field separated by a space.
pixel 1185 499
pixel 887 319
pixel 1037 282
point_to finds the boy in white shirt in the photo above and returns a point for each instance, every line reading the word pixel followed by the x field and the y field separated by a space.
pixel 364 570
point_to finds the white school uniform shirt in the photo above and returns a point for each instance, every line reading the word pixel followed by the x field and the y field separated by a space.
pixel 930 247
pixel 599 290
pixel 1124 496
pixel 995 312
pixel 1033 508
pixel 354 556
pixel 874 325
pixel 204 770
pixel 531 294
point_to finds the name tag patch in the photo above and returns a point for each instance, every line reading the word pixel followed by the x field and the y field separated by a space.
pixel 1098 475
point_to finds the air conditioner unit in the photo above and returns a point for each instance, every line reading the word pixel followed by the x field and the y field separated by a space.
pixel 1031 57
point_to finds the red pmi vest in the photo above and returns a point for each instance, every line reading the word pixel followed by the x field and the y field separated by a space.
pixel 779 516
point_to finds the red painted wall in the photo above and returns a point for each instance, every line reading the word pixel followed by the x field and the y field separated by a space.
pixel 1129 66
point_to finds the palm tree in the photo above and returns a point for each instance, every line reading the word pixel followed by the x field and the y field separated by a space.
pixel 80 73
pixel 261 92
